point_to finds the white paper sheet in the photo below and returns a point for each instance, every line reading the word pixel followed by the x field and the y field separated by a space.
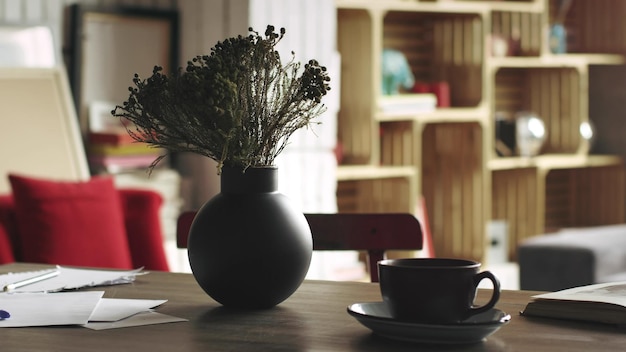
pixel 41 303
pixel 45 309
pixel 144 318
pixel 69 279
pixel 114 309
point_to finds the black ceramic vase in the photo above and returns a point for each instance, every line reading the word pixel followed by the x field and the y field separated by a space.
pixel 248 246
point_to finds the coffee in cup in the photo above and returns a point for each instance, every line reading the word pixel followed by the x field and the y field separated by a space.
pixel 433 290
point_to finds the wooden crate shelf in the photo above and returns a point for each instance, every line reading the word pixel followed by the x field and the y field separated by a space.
pixel 453 186
pixel 382 195
pixel 553 162
pixel 549 92
pixel 371 172
pixel 516 198
pixel 438 115
pixel 374 188
pixel 440 47
pixel 356 130
pixel 398 143
pixel 577 61
pixel 447 156
pixel 594 26
pixel 535 200
pixel 584 197
pixel 522 28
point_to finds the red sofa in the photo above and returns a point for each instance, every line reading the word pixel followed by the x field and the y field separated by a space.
pixel 141 221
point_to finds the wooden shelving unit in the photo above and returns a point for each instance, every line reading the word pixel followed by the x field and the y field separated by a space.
pixel 447 156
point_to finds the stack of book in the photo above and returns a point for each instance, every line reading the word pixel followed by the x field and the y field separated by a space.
pixel 410 103
pixel 116 151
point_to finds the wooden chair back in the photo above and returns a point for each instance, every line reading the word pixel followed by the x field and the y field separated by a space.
pixel 374 233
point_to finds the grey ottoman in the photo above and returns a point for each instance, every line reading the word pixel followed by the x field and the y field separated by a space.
pixel 573 257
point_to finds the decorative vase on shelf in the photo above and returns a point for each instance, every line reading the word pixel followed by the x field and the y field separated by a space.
pixel 530 133
pixel 248 246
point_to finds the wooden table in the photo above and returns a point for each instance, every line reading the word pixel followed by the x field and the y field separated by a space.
pixel 313 319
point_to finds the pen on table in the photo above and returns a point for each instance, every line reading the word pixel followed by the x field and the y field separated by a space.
pixel 31 280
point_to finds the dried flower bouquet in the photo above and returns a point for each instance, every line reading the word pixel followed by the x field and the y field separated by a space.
pixel 239 105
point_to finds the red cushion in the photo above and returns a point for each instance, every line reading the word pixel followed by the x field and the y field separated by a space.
pixel 7 227
pixel 6 254
pixel 70 223
pixel 143 226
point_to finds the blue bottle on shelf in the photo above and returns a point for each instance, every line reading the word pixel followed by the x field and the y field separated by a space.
pixel 558 39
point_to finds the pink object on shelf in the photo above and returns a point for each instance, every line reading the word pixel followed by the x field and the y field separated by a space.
pixel 442 92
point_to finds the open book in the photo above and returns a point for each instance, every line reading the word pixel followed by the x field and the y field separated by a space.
pixel 602 303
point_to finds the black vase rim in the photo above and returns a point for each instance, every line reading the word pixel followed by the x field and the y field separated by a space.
pixel 252 179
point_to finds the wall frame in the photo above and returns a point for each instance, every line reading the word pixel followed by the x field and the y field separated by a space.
pixel 108 45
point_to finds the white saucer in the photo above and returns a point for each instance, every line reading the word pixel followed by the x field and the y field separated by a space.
pixel 376 317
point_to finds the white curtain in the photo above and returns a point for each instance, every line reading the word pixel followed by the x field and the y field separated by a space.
pixel 307 167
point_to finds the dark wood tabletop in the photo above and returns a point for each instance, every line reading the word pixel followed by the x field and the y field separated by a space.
pixel 313 319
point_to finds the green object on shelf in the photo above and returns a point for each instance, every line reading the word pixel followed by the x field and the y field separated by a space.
pixel 396 72
pixel 558 39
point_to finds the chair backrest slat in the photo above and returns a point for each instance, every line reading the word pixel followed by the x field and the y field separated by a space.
pixel 371 232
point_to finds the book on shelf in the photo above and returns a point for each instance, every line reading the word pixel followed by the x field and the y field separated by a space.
pixel 601 303
pixel 124 149
pixel 121 163
pixel 410 103
pixel 110 137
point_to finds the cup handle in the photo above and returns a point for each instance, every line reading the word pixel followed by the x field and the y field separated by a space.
pixel 495 296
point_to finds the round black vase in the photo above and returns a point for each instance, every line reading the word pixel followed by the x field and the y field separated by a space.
pixel 248 247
